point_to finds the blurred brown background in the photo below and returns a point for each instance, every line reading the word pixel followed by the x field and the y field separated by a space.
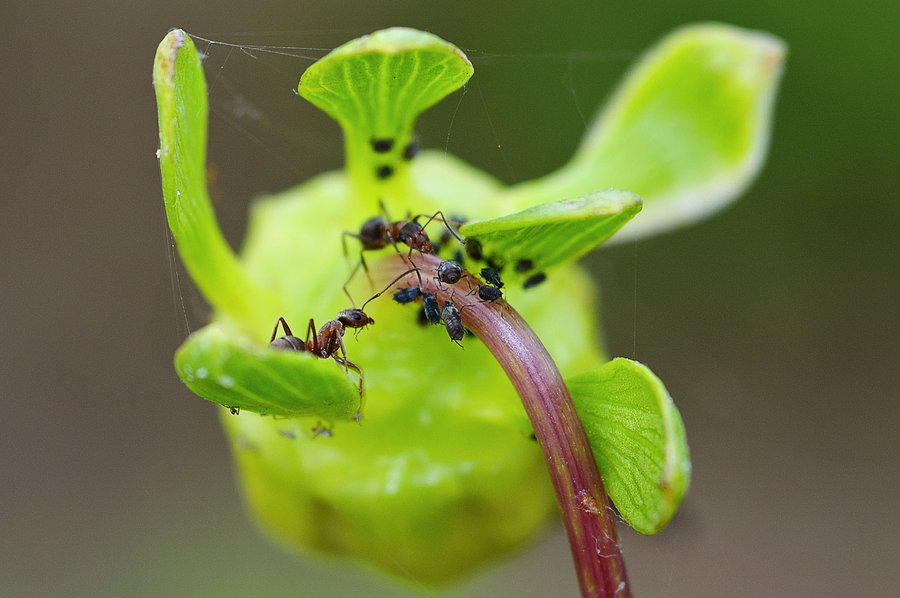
pixel 774 325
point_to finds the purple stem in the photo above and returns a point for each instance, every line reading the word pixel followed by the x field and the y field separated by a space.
pixel 579 489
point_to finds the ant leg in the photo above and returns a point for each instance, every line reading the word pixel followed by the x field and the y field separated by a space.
pixel 384 209
pixel 311 331
pixel 362 397
pixel 376 295
pixel 340 341
pixel 344 236
pixel 446 224
pixel 362 262
pixel 287 329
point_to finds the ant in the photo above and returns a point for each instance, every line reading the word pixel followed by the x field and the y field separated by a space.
pixel 379 232
pixel 327 341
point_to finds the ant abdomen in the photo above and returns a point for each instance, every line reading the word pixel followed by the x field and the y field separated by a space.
pixel 288 343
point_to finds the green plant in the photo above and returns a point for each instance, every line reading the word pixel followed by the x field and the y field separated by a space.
pixel 442 472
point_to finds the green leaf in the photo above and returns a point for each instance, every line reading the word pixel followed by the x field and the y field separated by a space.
pixel 249 377
pixel 375 87
pixel 687 130
pixel 556 232
pixel 638 439
pixel 182 109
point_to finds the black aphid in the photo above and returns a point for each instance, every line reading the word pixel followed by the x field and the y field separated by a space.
pixel 490 275
pixel 449 272
pixel 432 311
pixel 407 295
pixel 453 322
pixel 534 280
pixel 488 292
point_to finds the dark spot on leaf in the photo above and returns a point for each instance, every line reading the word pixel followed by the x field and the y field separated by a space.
pixel 384 172
pixel 382 146
pixel 524 265
pixel 411 150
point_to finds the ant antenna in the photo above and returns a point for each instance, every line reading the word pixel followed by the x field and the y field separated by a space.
pixel 392 283
pixel 446 224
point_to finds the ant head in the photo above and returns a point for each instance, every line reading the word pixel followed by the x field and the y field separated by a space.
pixel 354 318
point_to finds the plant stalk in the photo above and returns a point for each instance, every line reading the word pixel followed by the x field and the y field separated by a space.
pixel 582 499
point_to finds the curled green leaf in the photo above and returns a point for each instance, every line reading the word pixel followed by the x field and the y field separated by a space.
pixel 259 379
pixel 375 87
pixel 182 109
pixel 687 129
pixel 556 232
pixel 638 439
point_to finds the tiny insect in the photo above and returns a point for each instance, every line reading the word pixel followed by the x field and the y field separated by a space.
pixel 524 265
pixel 407 295
pixel 379 232
pixel 382 146
pixel 449 272
pixel 534 280
pixel 321 429
pixel 473 249
pixel 328 341
pixel 453 322
pixel 490 275
pixel 430 305
pixel 489 293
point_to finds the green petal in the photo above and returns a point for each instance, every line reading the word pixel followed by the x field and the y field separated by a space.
pixel 182 107
pixel 638 439
pixel 556 232
pixel 687 130
pixel 375 87
pixel 263 380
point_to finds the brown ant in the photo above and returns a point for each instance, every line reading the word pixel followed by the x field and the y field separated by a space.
pixel 379 232
pixel 327 341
